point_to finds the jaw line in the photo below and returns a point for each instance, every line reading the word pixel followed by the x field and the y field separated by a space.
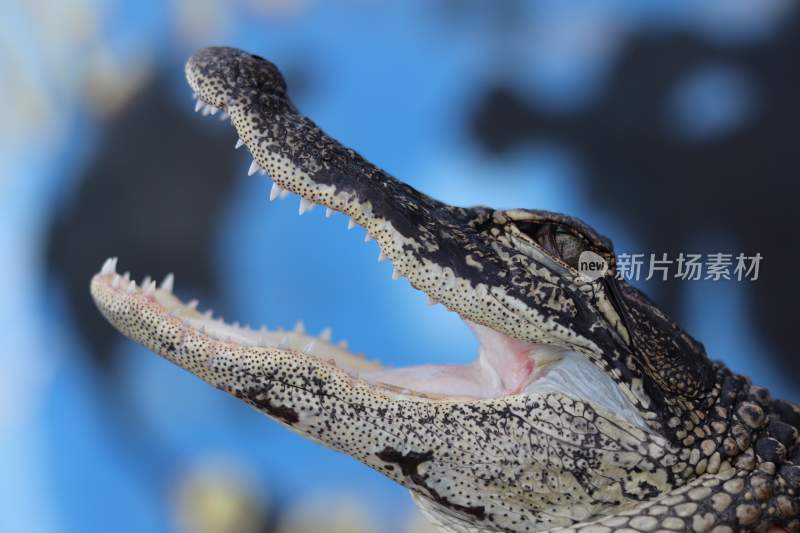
pixel 504 366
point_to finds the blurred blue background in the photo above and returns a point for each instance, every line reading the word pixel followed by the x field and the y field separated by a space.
pixel 668 125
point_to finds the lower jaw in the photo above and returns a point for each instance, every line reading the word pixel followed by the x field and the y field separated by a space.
pixel 504 366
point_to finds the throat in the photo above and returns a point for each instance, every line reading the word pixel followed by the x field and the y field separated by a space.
pixel 504 366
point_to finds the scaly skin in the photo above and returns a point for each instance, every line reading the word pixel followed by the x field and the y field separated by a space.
pixel 710 452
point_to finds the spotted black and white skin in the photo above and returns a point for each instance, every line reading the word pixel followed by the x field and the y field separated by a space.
pixel 586 409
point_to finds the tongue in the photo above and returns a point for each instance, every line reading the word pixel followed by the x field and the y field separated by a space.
pixel 504 366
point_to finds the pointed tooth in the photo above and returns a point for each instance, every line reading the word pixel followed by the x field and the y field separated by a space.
pixel 284 194
pixel 108 266
pixel 224 116
pixel 329 212
pixel 198 106
pixel 253 168
pixel 367 237
pixel 194 95
pixel 115 281
pixel 309 348
pixel 126 277
pixel 299 327
pixel 239 144
pixel 431 301
pixel 326 334
pixel 342 344
pixel 150 288
pixel 206 110
pixel 305 205
pixel 192 304
pixel 395 274
pixel 208 315
pixel 168 283
pixel 131 286
pixel 274 191
pixel 351 224
pixel 381 257
pixel 146 281
pixel 284 343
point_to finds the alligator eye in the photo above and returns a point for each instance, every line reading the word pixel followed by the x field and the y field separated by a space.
pixel 556 240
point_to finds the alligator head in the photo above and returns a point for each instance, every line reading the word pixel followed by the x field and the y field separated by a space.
pixel 586 407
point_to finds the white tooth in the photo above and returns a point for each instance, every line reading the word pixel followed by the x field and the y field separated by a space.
pixel 274 191
pixel 284 194
pixel 192 304
pixel 253 168
pixel 329 212
pixel 131 287
pixel 299 327
pixel 381 257
pixel 342 344
pixel 167 284
pixel 239 144
pixel 305 205
pixel 223 116
pixel 198 106
pixel 146 281
pixel 194 95
pixel 309 348
pixel 395 274
pixel 115 281
pixel 150 288
pixel 108 266
pixel 367 237
pixel 236 324
pixel 208 315
pixel 206 110
pixel 326 334
pixel 284 343
pixel 126 277
pixel 351 224
pixel 431 301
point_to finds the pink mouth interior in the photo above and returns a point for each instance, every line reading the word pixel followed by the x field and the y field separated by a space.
pixel 504 366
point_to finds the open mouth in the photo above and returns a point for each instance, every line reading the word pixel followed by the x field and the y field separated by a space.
pixel 504 365
pixel 288 149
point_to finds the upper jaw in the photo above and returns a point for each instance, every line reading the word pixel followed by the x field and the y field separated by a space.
pixel 442 250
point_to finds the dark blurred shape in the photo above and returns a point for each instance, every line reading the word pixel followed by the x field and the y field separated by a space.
pixel 152 196
pixel 673 187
